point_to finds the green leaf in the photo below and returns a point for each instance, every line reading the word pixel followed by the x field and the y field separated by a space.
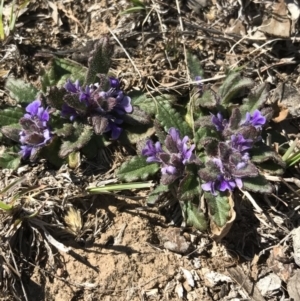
pixel 262 152
pixel 255 99
pixel 60 70
pixel 158 194
pixel 207 100
pixel 51 151
pixel 10 160
pixel 194 65
pixel 97 142
pixel 271 168
pixel 107 189
pixel 257 184
pixel 137 169
pixel 132 10
pixel 99 61
pixel 12 131
pixel 80 137
pixel 64 130
pixel 149 104
pixel 10 115
pixel 72 100
pixel 194 217
pixel 22 92
pixel 134 134
pixel 219 208
pixel 138 117
pixel 55 97
pixel 168 118
pixel 189 187
pixel 233 85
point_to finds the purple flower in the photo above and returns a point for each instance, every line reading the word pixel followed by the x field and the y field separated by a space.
pixel 35 132
pixel 224 179
pixel 173 159
pixel 103 107
pixel 256 119
pixel 239 143
pixel 152 151
pixel 199 84
pixel 219 122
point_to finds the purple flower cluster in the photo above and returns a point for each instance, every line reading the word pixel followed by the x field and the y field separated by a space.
pixel 178 153
pixel 231 162
pixel 35 132
pixel 104 108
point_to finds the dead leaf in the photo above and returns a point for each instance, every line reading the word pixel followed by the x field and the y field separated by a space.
pixel 293 286
pixel 287 99
pixel 269 284
pixel 217 232
pixel 254 267
pixel 296 245
pixel 278 262
pixel 54 14
pixel 280 24
pixel 237 274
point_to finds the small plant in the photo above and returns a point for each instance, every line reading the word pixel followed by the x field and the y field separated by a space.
pixel 211 152
pixel 79 109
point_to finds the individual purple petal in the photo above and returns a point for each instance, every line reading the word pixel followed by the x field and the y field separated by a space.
pixel 70 87
pixel 219 122
pixel 33 107
pixel 256 119
pixel 174 133
pixel 239 143
pixel 67 111
pixel 114 83
pixel 238 183
pixel 209 186
pixel 25 151
pixel 168 169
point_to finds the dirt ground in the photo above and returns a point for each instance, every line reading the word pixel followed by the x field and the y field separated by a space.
pixel 132 252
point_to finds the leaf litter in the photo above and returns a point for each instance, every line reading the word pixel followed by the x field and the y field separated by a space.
pixel 61 244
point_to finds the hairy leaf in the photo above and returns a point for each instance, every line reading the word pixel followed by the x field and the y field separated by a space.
pixel 55 97
pixel 149 103
pixel 194 65
pixel 22 92
pixel 262 152
pixel 72 100
pixel 271 168
pixel 135 134
pixel 10 115
pixel 157 194
pixel 207 100
pixel 168 117
pixel 51 152
pixel 137 117
pixel 219 232
pixel 137 169
pixel 97 142
pixel 80 137
pixel 60 70
pixel 65 130
pixel 194 217
pixel 99 61
pixel 233 85
pixel 257 184
pixel 219 208
pixel 255 99
pixel 189 187
pixel 10 159
pixel 12 131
